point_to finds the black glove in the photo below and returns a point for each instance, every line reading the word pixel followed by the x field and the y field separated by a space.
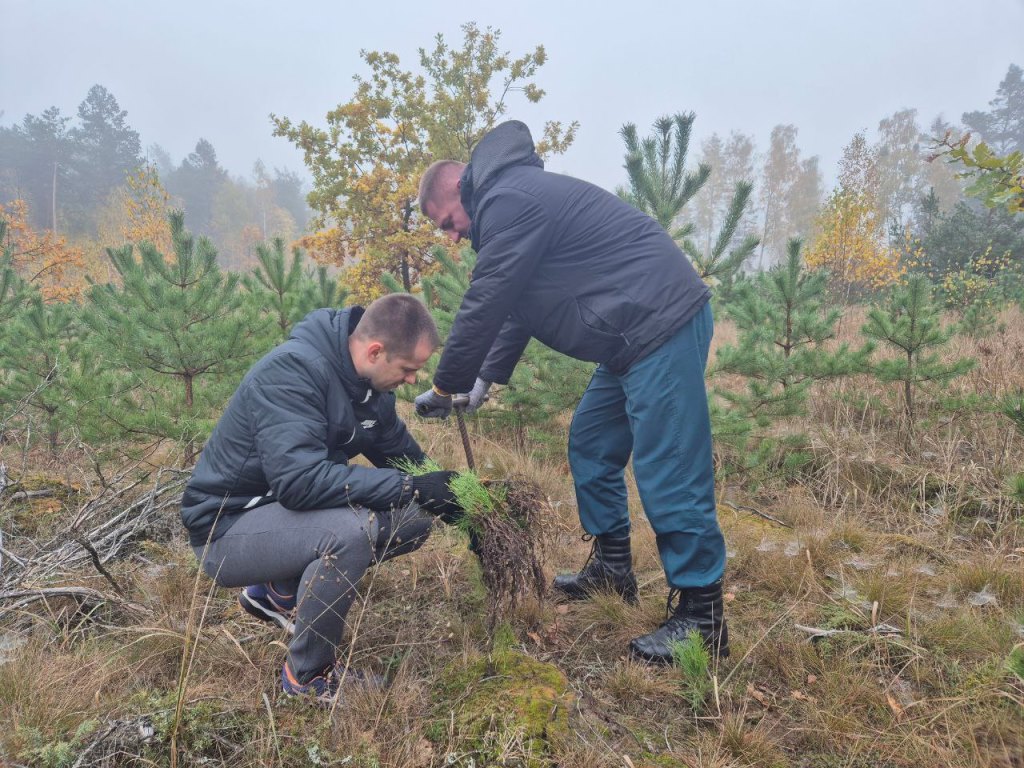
pixel 431 492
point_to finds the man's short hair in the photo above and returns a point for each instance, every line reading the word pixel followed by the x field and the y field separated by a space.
pixel 433 179
pixel 398 321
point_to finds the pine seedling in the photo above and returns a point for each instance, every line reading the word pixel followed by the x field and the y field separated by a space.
pixel 1012 407
pixel 910 324
pixel 501 521
pixel 416 468
pixel 1016 488
pixel 783 325
pixel 475 497
pixel 692 658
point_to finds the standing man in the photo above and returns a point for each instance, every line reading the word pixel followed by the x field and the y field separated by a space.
pixel 273 501
pixel 592 277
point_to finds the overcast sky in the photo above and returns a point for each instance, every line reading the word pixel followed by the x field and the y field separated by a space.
pixel 216 69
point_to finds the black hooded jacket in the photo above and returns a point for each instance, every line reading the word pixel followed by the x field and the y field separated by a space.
pixel 289 430
pixel 563 261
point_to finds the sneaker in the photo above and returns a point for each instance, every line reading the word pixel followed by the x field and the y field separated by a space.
pixel 262 602
pixel 324 687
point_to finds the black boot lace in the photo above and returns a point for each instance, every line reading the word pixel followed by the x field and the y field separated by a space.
pixel 593 549
pixel 675 596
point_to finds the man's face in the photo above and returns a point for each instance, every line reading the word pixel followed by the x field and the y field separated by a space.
pixel 448 214
pixel 387 372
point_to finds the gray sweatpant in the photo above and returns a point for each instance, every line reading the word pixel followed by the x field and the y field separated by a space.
pixel 319 556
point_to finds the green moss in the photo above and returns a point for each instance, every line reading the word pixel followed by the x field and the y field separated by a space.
pixel 509 698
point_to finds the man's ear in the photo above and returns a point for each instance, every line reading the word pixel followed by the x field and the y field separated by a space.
pixel 374 351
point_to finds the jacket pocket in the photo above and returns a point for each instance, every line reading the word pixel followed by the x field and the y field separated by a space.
pixel 598 340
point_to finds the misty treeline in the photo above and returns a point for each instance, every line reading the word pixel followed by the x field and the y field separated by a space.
pixel 77 176
pixel 135 291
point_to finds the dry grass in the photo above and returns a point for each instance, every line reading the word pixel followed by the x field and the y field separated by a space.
pixel 919 535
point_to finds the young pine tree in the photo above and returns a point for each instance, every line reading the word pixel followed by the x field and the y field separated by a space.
pixel 276 284
pixel 658 182
pixel 660 186
pixel 13 290
pixel 288 291
pixel 174 340
pixel 783 324
pixel 36 353
pixel 910 325
pixel 719 265
pixel 321 290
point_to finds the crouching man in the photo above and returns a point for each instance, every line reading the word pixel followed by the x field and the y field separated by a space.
pixel 274 505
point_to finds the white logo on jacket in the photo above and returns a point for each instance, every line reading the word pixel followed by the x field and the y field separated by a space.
pixel 368 424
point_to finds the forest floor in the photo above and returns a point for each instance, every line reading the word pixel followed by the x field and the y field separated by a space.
pixel 875 601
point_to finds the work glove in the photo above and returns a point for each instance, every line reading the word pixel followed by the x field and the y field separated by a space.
pixel 477 395
pixel 433 405
pixel 431 491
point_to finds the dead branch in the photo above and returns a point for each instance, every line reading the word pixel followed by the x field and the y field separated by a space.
pixel 23 495
pixel 99 566
pixel 98 532
pixel 817 633
pixel 753 511
pixel 83 595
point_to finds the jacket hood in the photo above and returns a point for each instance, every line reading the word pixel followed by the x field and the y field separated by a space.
pixel 504 146
pixel 327 331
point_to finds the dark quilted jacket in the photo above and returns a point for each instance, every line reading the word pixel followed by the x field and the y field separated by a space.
pixel 563 261
pixel 290 429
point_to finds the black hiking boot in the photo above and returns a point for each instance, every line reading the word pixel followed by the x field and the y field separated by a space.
pixel 698 609
pixel 609 568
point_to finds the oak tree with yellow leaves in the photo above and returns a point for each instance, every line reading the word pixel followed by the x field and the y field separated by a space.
pixel 367 161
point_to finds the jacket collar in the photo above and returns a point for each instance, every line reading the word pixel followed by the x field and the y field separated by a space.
pixel 357 387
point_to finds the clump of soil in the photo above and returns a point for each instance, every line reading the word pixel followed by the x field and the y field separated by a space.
pixel 507 540
pixel 503 520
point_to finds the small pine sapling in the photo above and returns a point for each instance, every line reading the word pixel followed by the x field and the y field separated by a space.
pixel 783 325
pixel 910 324
pixel 692 658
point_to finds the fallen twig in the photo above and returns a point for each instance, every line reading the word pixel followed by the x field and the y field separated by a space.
pixel 816 633
pixel 26 597
pixel 753 511
pixel 99 566
pixel 23 495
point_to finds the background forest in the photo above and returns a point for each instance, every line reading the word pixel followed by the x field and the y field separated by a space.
pixel 868 406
